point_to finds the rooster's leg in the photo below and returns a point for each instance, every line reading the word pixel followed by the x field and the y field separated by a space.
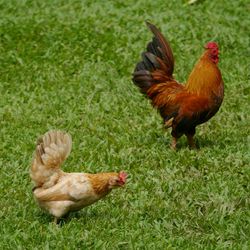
pixel 191 141
pixel 174 143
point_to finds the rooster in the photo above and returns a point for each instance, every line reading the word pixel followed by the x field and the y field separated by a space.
pixel 59 192
pixel 182 107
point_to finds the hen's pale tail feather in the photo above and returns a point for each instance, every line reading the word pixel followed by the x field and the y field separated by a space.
pixel 51 151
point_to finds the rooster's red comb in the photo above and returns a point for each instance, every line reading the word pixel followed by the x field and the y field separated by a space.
pixel 211 45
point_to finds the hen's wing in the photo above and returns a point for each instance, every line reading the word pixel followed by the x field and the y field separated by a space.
pixel 72 187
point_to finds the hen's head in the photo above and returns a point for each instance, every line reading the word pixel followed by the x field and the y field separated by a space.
pixel 118 179
pixel 213 51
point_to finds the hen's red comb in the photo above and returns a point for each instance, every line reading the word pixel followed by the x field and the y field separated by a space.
pixel 123 176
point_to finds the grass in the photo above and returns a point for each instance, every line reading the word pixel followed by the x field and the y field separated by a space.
pixel 67 65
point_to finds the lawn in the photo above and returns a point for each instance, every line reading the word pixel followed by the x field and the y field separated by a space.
pixel 67 65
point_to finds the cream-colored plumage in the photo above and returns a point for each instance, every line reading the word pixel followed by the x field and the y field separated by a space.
pixel 59 192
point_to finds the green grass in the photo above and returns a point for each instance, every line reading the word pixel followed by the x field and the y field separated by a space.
pixel 67 65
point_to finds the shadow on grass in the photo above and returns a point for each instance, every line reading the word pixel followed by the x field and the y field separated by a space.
pixel 201 142
pixel 83 215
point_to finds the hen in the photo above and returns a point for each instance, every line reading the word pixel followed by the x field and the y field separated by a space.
pixel 59 192
pixel 182 107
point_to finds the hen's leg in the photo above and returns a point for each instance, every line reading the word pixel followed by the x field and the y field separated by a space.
pixel 56 220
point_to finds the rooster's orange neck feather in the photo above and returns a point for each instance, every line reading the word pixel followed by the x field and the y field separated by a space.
pixel 205 78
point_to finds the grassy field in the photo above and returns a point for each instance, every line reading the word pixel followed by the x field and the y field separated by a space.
pixel 67 65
